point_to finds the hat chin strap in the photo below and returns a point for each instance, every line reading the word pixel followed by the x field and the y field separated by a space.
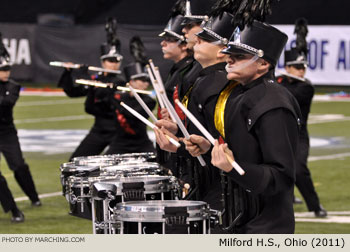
pixel 241 66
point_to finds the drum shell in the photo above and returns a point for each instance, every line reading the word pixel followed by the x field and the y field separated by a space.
pixel 149 217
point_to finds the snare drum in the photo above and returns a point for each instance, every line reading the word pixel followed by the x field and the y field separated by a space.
pixel 107 193
pixel 71 169
pixel 79 194
pixel 162 217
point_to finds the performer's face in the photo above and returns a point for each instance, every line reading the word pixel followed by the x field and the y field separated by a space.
pixel 111 65
pixel 190 31
pixel 297 70
pixel 4 75
pixel 172 49
pixel 241 68
pixel 207 53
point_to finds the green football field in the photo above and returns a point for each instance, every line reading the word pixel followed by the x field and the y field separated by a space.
pixel 329 164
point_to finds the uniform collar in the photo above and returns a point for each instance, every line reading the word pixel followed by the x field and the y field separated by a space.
pixel 210 69
pixel 269 76
pixel 181 64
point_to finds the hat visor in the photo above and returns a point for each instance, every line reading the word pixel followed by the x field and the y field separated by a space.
pixel 231 49
pixel 206 36
pixel 165 34
pixel 5 68
pixel 112 58
pixel 190 20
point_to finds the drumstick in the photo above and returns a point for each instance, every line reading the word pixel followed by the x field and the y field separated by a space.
pixel 211 139
pixel 64 64
pixel 142 103
pixel 94 83
pixel 159 83
pixel 181 126
pixel 155 86
pixel 109 85
pixel 145 121
pixel 76 66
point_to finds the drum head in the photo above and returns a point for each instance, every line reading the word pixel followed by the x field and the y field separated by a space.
pixel 152 183
pixel 132 169
pixel 153 211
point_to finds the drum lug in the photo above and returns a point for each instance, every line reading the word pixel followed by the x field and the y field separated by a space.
pixel 73 199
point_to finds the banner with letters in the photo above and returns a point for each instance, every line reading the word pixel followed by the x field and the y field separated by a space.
pixel 329 53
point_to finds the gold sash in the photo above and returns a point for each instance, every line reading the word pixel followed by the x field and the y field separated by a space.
pixel 219 116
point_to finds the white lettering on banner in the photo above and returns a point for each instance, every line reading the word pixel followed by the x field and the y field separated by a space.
pixel 19 50
pixel 329 53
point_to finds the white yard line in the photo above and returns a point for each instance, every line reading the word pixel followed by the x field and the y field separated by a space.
pixel 327 118
pixel 328 219
pixel 328 157
pixel 53 119
pixel 51 102
pixel 41 196
pixel 328 98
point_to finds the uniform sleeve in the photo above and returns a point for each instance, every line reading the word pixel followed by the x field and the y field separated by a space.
pixel 305 94
pixel 277 133
pixel 10 96
pixel 67 83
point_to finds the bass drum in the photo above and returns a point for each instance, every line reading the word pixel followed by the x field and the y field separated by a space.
pixel 162 217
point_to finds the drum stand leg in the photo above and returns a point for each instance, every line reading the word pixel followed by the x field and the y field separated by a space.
pixel 82 197
pixel 105 216
pixel 93 216
pixel 139 224
pixel 121 227
pixel 163 228
pixel 204 227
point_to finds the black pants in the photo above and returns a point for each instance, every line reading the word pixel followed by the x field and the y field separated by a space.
pixel 11 150
pixel 94 143
pixel 303 177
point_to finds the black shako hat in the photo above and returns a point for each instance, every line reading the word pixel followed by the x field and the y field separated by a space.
pixel 111 50
pixel 295 57
pixel 298 54
pixel 197 11
pixel 135 71
pixel 259 39
pixel 5 62
pixel 174 28
pixel 217 29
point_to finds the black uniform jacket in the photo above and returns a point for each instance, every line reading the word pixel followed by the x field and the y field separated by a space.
pixel 202 105
pixel 131 131
pixel 303 92
pixel 205 91
pixel 175 76
pixel 9 93
pixel 261 129
pixel 98 100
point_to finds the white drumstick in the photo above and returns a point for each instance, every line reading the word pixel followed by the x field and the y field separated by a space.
pixel 155 86
pixel 64 64
pixel 181 126
pixel 93 83
pixel 211 139
pixel 142 103
pixel 140 91
pixel 145 121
